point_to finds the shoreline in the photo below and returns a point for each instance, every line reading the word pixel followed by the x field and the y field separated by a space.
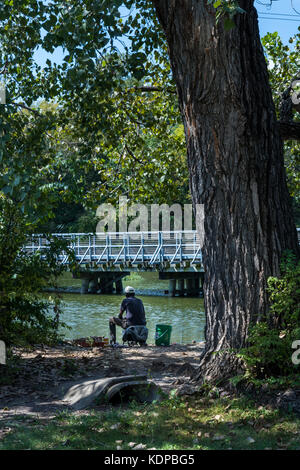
pixel 145 292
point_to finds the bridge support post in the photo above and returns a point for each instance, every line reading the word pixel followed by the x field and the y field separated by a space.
pixel 196 286
pixel 181 287
pixel 189 287
pixel 84 285
pixel 110 286
pixel 119 286
pixel 103 285
pixel 172 287
pixel 93 286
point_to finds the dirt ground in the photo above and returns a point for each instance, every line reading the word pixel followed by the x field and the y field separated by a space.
pixel 44 374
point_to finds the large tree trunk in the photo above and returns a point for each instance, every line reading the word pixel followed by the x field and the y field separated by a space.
pixel 235 159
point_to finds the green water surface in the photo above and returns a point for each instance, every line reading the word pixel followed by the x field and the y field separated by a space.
pixel 88 315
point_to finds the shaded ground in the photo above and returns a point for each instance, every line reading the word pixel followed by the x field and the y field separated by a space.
pixel 33 416
pixel 44 374
pixel 193 423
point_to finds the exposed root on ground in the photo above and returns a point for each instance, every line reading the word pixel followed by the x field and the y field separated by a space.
pixel 217 367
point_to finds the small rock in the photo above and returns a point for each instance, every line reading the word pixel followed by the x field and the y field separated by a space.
pixel 115 426
pixel 99 430
pixel 250 440
pixel 218 438
pixel 131 444
pixel 139 447
pixel 218 418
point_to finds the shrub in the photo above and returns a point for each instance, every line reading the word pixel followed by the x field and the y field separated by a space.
pixel 25 317
pixel 269 348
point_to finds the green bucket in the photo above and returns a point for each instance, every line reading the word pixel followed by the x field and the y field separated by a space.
pixel 163 335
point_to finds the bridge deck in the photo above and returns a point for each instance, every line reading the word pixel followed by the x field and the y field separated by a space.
pixel 151 248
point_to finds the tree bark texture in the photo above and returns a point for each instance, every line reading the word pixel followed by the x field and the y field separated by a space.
pixel 235 160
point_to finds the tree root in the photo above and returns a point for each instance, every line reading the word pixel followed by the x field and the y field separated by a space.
pixel 218 367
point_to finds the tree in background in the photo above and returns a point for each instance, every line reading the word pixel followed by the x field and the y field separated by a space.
pixel 25 317
pixel 283 67
pixel 25 201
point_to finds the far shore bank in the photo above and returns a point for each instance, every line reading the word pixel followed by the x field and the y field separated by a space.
pixel 76 290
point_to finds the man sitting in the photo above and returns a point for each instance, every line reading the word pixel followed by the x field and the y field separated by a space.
pixel 135 314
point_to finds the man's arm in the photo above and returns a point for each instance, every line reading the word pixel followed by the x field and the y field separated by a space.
pixel 122 309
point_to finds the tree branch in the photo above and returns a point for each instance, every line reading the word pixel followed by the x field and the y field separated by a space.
pixel 132 155
pixel 154 88
pixel 290 130
pixel 23 106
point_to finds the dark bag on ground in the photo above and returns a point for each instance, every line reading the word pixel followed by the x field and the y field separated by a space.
pixel 137 334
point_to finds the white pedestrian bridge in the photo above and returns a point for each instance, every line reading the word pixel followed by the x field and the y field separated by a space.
pixel 103 259
pixel 148 249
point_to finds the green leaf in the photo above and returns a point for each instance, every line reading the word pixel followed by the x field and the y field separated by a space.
pixel 228 24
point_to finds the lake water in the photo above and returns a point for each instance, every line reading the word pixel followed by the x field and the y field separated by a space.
pixel 88 315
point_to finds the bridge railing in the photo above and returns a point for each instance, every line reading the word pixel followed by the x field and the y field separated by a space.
pixel 119 247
